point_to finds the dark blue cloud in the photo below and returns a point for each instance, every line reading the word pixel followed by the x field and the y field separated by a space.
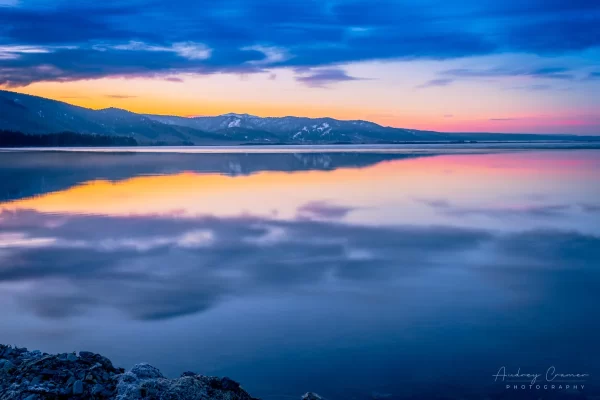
pixel 558 35
pixel 74 64
pixel 63 25
pixel 81 40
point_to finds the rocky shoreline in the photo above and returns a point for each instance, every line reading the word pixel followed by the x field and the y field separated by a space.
pixel 33 375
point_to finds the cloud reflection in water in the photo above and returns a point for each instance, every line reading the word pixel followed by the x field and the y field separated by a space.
pixel 156 267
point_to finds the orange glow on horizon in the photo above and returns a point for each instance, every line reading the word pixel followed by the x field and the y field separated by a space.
pixel 148 96
pixel 186 107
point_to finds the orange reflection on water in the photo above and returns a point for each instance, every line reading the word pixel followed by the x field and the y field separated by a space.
pixel 458 177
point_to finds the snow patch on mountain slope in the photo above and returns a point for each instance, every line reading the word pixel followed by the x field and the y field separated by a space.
pixel 300 132
pixel 325 128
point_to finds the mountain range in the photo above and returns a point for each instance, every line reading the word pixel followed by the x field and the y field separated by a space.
pixel 38 115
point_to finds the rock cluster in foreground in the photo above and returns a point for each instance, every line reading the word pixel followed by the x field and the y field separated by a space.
pixel 33 375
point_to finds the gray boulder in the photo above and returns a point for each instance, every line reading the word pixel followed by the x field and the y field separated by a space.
pixel 77 388
pixel 145 381
pixel 311 396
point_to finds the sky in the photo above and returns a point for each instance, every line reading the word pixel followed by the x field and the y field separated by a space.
pixel 460 65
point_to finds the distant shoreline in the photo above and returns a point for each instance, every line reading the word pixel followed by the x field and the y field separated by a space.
pixel 407 148
pixel 69 141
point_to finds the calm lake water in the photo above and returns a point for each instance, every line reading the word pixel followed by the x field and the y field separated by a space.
pixel 357 275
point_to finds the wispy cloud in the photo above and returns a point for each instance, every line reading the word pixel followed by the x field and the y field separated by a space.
pixel 561 73
pixel 11 52
pixel 189 50
pixel 436 83
pixel 540 210
pixel 595 75
pixel 173 79
pixel 119 96
pixel 533 87
pixel 325 77
pixel 271 55
pixel 593 208
pixel 323 209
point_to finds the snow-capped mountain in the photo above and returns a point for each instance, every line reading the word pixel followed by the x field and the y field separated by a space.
pixel 32 114
pixel 300 129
